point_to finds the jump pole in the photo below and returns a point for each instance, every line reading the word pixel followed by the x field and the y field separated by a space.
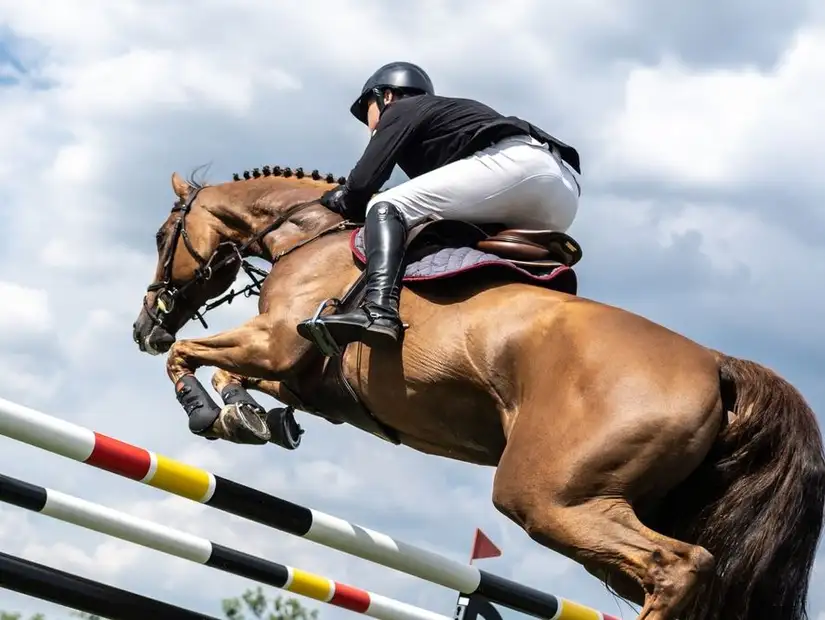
pixel 170 541
pixel 80 444
pixel 56 586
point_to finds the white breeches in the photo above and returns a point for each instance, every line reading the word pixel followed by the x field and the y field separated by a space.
pixel 518 182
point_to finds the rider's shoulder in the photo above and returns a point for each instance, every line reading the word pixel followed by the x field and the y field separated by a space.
pixel 409 103
pixel 405 110
pixel 424 104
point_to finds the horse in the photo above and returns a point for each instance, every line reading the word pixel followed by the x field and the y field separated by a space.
pixel 689 481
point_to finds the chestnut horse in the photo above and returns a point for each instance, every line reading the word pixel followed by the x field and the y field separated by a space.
pixel 689 481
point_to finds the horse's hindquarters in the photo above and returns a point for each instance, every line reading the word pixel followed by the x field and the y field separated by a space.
pixel 610 410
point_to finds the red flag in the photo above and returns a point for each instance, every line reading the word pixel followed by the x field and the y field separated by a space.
pixel 483 547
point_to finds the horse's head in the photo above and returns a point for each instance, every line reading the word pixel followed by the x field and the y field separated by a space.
pixel 211 228
pixel 196 262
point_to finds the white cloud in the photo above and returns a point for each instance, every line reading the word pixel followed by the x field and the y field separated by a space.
pixel 24 311
pixel 117 95
pixel 722 127
pixel 24 374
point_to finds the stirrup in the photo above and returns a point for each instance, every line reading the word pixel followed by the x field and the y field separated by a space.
pixel 319 332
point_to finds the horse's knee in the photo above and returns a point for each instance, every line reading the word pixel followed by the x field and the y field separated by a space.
pixel 176 364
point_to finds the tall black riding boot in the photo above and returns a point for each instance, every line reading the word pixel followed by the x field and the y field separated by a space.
pixel 376 321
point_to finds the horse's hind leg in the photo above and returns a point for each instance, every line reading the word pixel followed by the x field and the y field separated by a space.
pixel 605 531
pixel 618 583
pixel 568 489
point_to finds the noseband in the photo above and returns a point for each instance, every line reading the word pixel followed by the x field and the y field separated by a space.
pixel 168 294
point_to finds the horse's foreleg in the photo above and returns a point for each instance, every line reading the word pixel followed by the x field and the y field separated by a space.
pixel 223 380
pixel 233 389
pixel 248 350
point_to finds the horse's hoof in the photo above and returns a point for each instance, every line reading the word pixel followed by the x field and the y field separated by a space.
pixel 242 423
pixel 284 428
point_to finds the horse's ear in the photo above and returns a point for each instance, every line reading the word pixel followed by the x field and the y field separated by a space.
pixel 180 187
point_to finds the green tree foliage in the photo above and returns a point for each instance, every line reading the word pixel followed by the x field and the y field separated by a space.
pixel 253 604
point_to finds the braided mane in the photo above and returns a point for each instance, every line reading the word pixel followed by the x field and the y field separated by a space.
pixel 287 172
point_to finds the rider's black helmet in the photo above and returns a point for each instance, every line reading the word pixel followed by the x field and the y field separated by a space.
pixel 403 76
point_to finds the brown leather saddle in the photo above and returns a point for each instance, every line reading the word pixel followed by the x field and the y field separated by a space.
pixel 526 248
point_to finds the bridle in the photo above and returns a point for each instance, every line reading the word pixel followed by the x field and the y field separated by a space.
pixel 169 295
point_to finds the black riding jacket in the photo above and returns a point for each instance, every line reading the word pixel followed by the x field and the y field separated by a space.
pixel 424 132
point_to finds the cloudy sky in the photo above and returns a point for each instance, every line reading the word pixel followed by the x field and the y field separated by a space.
pixel 702 209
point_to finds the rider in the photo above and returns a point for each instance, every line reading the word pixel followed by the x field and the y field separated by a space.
pixel 465 161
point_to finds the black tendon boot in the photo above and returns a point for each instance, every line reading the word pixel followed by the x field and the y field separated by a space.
pixel 376 321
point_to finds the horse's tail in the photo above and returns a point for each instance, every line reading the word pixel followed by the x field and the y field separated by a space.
pixel 757 501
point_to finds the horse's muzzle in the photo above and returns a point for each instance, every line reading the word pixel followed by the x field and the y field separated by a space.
pixel 150 337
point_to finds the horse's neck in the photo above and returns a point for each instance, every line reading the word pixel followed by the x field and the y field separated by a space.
pixel 319 269
pixel 247 224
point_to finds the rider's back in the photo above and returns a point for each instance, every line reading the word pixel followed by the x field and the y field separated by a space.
pixel 447 129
